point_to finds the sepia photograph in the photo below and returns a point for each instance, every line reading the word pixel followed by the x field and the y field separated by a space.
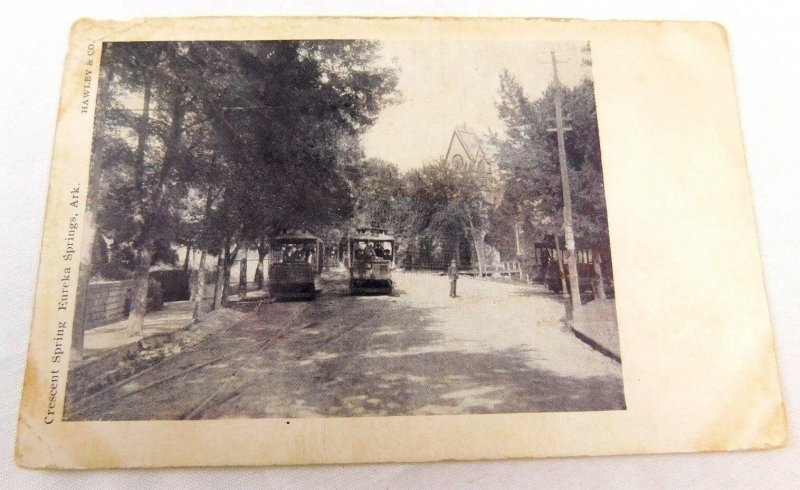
pixel 308 240
pixel 344 228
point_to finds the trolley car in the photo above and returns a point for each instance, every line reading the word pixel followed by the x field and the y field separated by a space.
pixel 370 259
pixel 296 260
pixel 547 270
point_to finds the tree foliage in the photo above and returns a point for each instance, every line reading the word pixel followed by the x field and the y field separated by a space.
pixel 267 131
pixel 528 156
pixel 219 144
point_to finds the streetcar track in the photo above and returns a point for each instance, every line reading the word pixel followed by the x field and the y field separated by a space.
pixel 238 391
pixel 189 369
pixel 224 393
pixel 159 381
pixel 347 330
pixel 364 342
pixel 86 402
pixel 197 411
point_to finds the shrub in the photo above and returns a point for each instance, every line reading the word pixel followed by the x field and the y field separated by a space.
pixel 112 271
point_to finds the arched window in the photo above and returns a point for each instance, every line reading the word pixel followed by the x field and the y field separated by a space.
pixel 458 162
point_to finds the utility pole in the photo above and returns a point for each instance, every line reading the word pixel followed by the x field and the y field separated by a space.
pixel 569 237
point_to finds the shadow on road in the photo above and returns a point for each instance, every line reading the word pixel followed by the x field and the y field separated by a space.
pixel 364 365
pixel 536 293
pixel 344 355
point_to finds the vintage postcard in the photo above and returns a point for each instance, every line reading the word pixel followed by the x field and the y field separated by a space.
pixel 342 240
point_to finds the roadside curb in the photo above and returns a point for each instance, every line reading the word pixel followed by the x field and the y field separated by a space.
pixel 149 341
pixel 124 362
pixel 595 323
pixel 595 345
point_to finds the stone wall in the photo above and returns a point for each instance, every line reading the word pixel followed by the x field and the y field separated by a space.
pixel 107 302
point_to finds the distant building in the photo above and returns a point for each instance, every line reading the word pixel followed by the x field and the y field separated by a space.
pixel 466 154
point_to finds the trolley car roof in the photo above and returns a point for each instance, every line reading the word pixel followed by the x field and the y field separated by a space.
pixel 371 234
pixel 550 242
pixel 294 236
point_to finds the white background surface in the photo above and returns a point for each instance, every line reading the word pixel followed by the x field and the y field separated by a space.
pixel 767 64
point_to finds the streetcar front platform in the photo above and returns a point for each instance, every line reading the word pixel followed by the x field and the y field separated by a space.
pixel 371 286
pixel 304 290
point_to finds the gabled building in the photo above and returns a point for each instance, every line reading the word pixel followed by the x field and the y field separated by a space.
pixel 466 154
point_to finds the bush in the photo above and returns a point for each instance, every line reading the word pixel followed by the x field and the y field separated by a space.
pixel 112 271
pixel 118 264
pixel 123 254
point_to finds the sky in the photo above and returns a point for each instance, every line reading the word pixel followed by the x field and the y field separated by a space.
pixel 454 82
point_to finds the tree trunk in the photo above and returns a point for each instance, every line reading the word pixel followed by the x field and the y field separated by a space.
pixel 139 174
pixel 477 238
pixel 600 288
pixel 171 155
pixel 482 246
pixel 141 276
pixel 89 218
pixel 457 258
pixel 219 288
pixel 141 272
pixel 230 257
pixel 259 274
pixel 84 269
pixel 155 203
pixel 560 259
pixel 243 275
pixel 200 275
pixel 200 287
pixel 226 284
pixel 186 260
pixel 262 253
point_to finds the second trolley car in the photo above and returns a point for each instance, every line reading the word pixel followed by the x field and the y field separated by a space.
pixel 296 259
pixel 369 255
pixel 593 261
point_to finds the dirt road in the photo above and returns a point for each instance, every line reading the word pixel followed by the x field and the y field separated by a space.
pixel 497 348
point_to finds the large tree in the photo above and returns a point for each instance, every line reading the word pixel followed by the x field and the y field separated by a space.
pixel 527 153
pixel 220 144
pixel 143 153
pixel 292 127
pixel 446 204
pixel 378 197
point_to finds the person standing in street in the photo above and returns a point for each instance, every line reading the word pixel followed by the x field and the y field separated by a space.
pixel 452 273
